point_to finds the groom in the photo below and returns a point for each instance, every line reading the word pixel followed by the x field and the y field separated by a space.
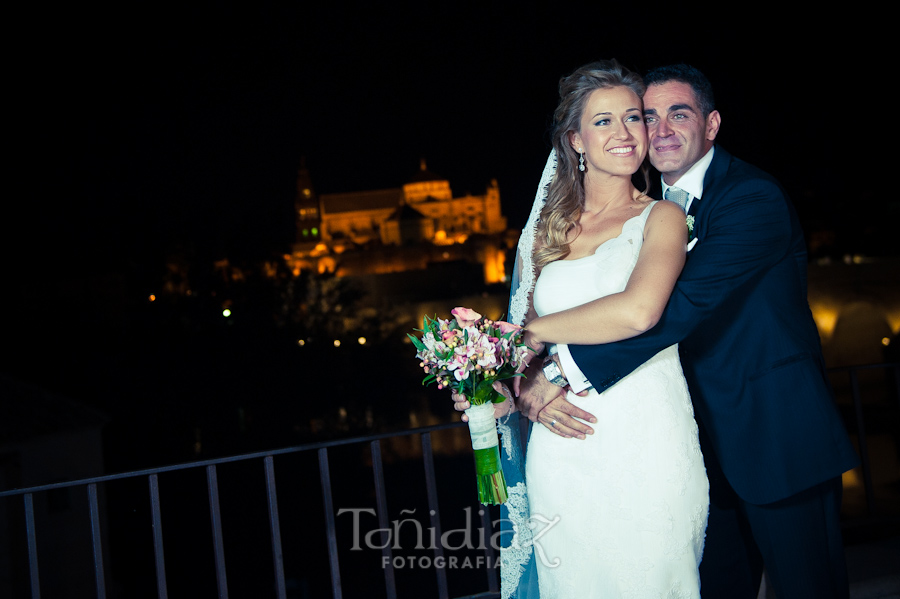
pixel 773 442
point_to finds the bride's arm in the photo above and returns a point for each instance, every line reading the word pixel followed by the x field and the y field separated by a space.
pixel 636 309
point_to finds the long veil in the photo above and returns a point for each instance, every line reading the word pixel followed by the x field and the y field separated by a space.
pixel 523 273
pixel 518 576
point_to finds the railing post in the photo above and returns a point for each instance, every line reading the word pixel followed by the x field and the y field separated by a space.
pixel 97 543
pixel 275 527
pixel 32 547
pixel 863 444
pixel 329 523
pixel 489 552
pixel 431 486
pixel 216 516
pixel 158 554
pixel 896 370
pixel 381 503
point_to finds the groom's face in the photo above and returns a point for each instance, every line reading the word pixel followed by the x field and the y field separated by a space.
pixel 679 134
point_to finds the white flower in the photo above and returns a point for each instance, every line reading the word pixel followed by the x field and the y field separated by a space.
pixel 690 227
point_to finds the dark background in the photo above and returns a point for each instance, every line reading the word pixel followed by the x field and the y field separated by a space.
pixel 158 125
pixel 139 135
pixel 143 133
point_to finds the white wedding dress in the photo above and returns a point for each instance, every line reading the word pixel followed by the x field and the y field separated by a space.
pixel 622 513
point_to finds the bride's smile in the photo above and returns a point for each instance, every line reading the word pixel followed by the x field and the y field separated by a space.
pixel 612 133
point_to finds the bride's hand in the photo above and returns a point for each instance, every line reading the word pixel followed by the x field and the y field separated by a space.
pixel 506 407
pixel 501 410
pixel 534 350
pixel 460 404
pixel 534 347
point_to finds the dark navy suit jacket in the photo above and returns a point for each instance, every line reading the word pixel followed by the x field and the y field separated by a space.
pixel 749 346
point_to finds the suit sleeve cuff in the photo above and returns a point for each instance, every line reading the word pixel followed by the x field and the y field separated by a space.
pixel 577 381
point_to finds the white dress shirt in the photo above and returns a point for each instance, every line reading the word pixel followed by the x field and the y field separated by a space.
pixel 692 180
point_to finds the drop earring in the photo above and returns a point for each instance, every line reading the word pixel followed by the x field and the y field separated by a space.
pixel 581 159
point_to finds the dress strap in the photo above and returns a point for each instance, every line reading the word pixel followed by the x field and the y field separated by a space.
pixel 646 212
pixel 638 222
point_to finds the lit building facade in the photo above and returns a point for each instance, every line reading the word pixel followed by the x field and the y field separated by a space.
pixel 398 230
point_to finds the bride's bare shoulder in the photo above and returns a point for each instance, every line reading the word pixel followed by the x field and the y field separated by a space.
pixel 667 209
pixel 667 216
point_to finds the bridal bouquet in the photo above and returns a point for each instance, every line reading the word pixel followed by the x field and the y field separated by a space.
pixel 467 354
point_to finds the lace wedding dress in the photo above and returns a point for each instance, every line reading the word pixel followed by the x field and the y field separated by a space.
pixel 623 513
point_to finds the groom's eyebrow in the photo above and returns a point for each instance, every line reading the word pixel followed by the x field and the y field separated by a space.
pixel 672 108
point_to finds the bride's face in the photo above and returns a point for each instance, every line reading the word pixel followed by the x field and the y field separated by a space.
pixel 613 134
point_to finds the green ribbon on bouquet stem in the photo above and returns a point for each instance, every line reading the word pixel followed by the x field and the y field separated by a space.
pixel 483 429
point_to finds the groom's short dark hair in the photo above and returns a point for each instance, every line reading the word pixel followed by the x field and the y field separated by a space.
pixel 692 76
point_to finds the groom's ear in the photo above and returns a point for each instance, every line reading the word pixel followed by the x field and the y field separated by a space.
pixel 713 121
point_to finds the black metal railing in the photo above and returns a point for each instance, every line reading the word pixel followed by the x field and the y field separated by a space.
pixel 330 543
pixel 890 388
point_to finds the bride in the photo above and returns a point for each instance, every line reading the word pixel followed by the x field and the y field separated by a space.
pixel 622 508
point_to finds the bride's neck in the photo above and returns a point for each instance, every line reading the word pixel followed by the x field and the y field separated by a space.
pixel 610 192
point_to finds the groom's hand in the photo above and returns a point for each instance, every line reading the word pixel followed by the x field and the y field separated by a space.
pixel 544 402
pixel 561 416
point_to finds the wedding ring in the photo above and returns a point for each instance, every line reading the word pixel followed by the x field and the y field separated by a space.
pixel 553 423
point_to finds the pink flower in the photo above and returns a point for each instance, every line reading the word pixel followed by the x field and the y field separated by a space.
pixel 465 317
pixel 506 327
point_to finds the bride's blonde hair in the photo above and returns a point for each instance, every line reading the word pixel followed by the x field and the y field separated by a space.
pixel 565 196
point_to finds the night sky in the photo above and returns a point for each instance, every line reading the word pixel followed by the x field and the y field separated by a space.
pixel 146 132
pixel 158 127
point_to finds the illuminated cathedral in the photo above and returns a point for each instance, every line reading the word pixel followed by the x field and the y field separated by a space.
pixel 403 229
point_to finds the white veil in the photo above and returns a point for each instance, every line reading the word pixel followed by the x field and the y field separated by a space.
pixel 518 575
pixel 523 271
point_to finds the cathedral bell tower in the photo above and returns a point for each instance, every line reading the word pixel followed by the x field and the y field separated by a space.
pixel 307 210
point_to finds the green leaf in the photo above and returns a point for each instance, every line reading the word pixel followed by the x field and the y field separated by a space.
pixel 484 393
pixel 419 345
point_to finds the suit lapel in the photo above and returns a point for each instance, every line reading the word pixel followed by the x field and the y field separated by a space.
pixel 701 206
pixel 715 173
pixel 695 205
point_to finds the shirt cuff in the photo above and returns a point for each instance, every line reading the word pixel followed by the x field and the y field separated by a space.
pixel 577 381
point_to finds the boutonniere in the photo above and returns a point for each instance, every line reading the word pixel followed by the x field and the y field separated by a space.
pixel 690 227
